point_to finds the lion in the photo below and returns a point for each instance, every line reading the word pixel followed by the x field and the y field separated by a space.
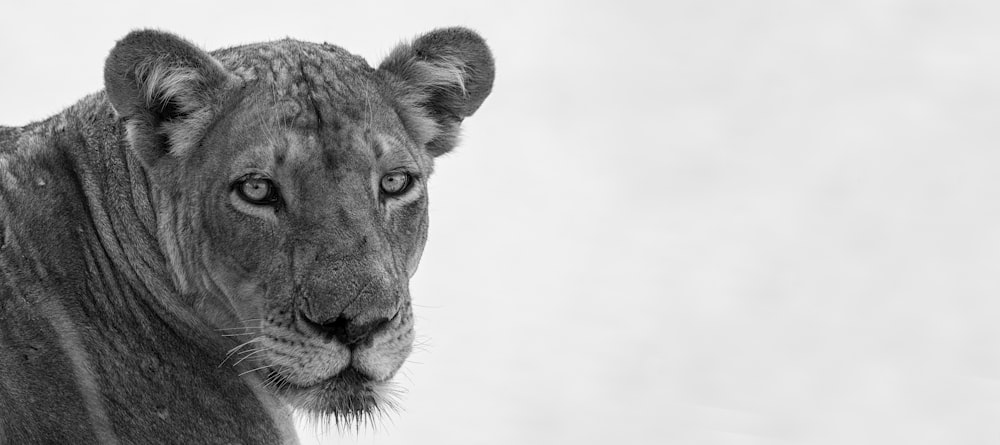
pixel 218 240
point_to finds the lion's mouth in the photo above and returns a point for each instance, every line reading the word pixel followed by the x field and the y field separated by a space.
pixel 350 397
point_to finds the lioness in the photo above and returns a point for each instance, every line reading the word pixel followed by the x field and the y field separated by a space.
pixel 219 238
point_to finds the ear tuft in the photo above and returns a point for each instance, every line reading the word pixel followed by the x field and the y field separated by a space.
pixel 445 76
pixel 166 89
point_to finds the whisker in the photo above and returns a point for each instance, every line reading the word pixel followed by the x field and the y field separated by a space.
pixel 406 373
pixel 283 383
pixel 272 380
pixel 255 321
pixel 254 369
pixel 237 328
pixel 250 353
pixel 237 348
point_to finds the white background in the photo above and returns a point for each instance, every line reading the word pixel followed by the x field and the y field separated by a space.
pixel 690 222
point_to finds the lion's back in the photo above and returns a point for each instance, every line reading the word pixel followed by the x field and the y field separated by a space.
pixel 8 137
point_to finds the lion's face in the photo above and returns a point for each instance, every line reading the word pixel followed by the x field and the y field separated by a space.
pixel 315 204
pixel 315 232
pixel 296 217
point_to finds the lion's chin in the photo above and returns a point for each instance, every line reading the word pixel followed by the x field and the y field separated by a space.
pixel 348 398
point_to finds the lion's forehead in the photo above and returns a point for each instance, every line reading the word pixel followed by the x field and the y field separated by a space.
pixel 307 86
pixel 313 84
pixel 280 61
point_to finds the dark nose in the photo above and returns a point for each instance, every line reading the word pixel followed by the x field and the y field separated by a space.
pixel 347 330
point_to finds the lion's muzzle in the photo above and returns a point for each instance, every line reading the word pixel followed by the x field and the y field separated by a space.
pixel 310 351
pixel 337 367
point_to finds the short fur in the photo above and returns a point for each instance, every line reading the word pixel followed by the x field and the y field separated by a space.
pixel 143 301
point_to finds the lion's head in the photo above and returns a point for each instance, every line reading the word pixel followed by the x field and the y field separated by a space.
pixel 289 180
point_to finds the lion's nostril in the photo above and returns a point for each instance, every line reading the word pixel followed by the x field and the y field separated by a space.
pixel 337 328
pixel 347 331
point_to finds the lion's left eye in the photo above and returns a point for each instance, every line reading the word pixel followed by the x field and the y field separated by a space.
pixel 395 183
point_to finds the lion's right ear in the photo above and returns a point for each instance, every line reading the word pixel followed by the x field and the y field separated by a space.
pixel 165 89
pixel 446 75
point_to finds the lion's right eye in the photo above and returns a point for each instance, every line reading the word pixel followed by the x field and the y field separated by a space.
pixel 257 190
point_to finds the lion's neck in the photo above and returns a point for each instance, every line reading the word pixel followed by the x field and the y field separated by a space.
pixel 126 262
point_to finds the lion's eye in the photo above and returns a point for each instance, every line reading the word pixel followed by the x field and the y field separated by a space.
pixel 395 183
pixel 257 190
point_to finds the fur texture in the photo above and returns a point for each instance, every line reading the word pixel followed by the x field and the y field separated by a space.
pixel 144 299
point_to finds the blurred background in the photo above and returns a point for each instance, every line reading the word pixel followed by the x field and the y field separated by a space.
pixel 690 222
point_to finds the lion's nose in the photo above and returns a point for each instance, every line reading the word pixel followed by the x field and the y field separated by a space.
pixel 347 331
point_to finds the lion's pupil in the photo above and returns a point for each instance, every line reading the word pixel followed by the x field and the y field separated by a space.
pixel 255 189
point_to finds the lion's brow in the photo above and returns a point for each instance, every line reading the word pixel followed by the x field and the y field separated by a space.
pixel 377 144
pixel 391 151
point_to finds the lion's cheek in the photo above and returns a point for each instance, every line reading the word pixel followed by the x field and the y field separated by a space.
pixel 248 245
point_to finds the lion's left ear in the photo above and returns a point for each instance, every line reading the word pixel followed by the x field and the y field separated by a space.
pixel 165 89
pixel 444 76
